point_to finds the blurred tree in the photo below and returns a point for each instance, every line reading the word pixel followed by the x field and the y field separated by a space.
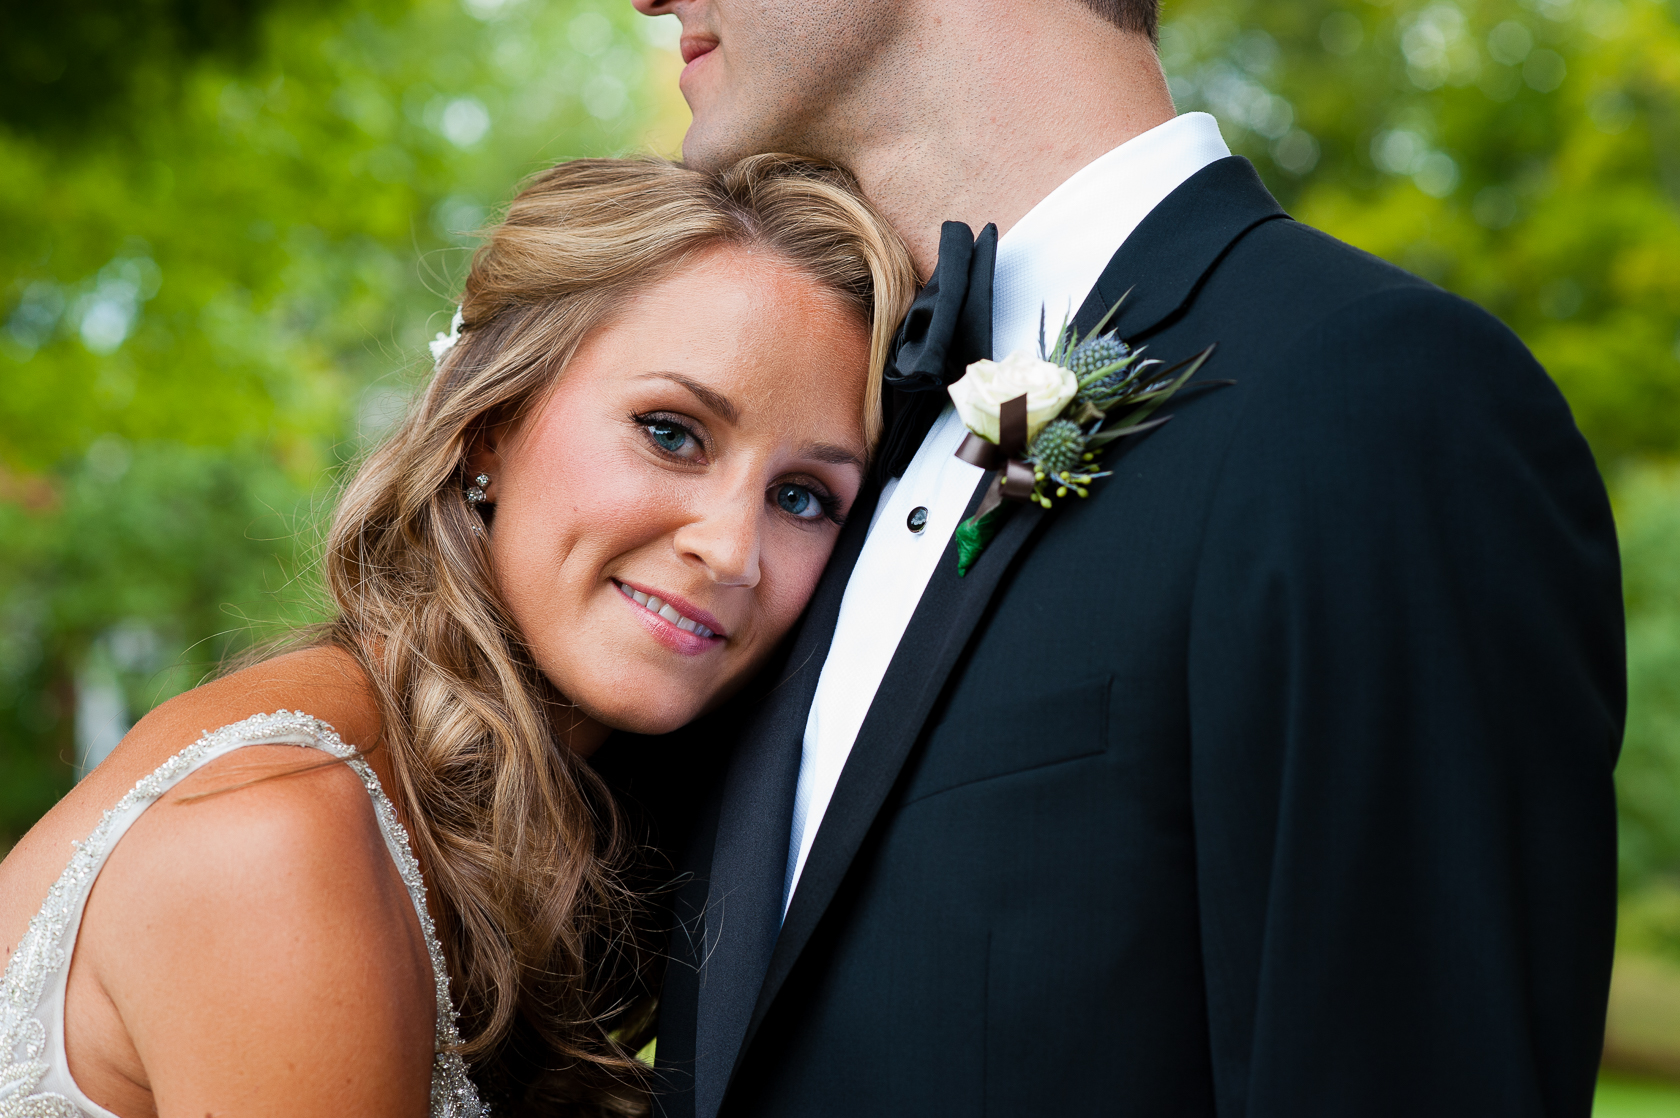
pixel 1648 776
pixel 64 65
pixel 221 262
pixel 1644 1034
pixel 1524 153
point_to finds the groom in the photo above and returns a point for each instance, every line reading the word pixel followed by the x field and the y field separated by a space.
pixel 1272 780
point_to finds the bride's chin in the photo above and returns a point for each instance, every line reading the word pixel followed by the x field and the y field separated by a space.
pixel 641 707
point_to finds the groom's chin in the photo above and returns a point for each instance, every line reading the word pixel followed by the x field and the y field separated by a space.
pixel 709 148
pixel 724 132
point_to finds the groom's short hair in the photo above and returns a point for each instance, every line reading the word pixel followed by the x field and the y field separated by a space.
pixel 1141 16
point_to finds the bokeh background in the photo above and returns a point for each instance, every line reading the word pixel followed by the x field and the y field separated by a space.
pixel 228 228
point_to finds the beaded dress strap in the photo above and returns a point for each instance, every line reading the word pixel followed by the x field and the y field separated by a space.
pixel 44 952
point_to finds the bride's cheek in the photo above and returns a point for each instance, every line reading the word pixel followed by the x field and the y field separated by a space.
pixel 785 596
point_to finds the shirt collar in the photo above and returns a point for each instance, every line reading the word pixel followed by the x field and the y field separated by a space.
pixel 1052 257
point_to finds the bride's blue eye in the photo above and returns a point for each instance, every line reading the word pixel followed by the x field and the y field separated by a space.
pixel 668 436
pixel 799 501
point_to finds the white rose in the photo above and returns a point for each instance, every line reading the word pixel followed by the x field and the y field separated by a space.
pixel 987 385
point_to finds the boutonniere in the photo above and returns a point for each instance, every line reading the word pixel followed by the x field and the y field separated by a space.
pixel 1042 422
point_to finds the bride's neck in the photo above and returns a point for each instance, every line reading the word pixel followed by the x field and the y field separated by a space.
pixel 578 732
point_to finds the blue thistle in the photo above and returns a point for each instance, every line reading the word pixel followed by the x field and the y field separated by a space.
pixel 1058 447
pixel 1097 353
pixel 1107 369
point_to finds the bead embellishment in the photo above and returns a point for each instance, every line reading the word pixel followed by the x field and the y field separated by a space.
pixel 43 953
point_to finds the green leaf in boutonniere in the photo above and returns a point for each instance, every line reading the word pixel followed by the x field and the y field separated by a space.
pixel 973 535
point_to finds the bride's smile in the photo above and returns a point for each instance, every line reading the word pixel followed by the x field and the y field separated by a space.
pixel 662 515
pixel 701 637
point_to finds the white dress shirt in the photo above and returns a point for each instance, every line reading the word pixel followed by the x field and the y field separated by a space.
pixel 1051 259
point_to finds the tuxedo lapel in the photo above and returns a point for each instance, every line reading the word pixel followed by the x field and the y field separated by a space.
pixel 743 898
pixel 1163 262
pixel 949 610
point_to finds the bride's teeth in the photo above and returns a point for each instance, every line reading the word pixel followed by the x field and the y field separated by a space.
pixel 668 612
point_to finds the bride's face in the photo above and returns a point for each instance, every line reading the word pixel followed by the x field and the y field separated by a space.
pixel 662 517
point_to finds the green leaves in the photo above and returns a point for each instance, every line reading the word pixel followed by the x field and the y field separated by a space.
pixel 974 534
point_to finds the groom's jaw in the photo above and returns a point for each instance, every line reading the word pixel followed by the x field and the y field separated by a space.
pixel 766 75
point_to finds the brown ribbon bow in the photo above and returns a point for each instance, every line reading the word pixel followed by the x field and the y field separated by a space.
pixel 1014 480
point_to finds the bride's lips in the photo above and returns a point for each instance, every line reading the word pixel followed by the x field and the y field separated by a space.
pixel 691 632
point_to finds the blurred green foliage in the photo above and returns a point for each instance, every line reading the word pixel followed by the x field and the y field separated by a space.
pixel 230 227
pixel 1523 153
pixel 62 64
pixel 1635 1098
pixel 232 224
pixel 1649 773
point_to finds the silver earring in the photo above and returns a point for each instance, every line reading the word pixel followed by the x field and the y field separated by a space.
pixel 475 492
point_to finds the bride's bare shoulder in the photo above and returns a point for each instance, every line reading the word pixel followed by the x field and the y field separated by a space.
pixel 252 909
pixel 324 682
pixel 255 910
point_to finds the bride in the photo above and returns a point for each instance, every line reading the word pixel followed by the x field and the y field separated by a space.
pixel 377 875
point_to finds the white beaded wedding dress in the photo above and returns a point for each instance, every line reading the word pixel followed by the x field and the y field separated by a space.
pixel 35 1077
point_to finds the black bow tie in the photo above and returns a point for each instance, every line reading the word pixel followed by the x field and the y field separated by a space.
pixel 949 327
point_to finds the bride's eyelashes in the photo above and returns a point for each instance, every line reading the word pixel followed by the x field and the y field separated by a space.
pixel 672 436
pixel 805 499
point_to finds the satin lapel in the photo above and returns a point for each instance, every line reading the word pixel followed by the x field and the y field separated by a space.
pixel 743 905
pixel 1172 250
pixel 938 632
pixel 1164 262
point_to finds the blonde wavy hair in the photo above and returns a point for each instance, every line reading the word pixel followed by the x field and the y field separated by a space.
pixel 527 855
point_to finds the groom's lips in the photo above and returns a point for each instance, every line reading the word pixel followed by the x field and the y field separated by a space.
pixel 696 46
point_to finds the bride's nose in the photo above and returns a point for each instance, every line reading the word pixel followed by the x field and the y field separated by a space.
pixel 724 537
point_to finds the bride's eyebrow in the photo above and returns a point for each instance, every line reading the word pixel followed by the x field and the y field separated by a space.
pixel 711 397
pixel 828 452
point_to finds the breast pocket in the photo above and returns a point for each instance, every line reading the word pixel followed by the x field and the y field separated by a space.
pixel 1013 734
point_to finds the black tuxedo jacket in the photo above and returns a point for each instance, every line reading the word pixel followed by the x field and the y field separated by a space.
pixel 1272 780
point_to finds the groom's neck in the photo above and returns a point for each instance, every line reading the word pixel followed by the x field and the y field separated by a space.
pixel 978 119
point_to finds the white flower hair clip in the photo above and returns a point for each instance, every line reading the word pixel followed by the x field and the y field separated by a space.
pixel 443 343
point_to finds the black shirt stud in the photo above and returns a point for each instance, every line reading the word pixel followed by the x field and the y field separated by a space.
pixel 917 520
